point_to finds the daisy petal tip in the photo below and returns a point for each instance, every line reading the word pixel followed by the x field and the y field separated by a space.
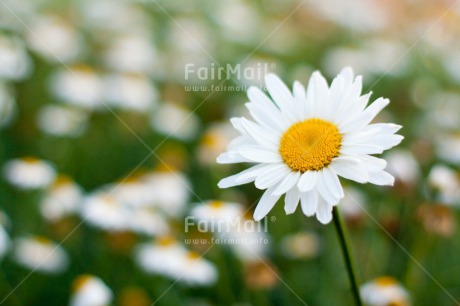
pixel 221 159
pixel 288 211
pixel 391 182
pixel 258 217
pixel 347 73
pixel 271 77
pixel 324 219
pixel 223 183
pixel 308 213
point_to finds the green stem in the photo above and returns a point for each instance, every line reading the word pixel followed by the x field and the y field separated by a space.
pixel 346 255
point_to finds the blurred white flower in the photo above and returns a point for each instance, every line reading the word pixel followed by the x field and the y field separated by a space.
pixel 362 59
pixel 451 60
pixel 300 245
pixel 90 290
pixel 8 107
pixel 132 191
pixel 97 16
pixel 148 221
pixel 40 254
pixel 448 147
pixel 352 203
pixel 131 53
pixel 446 183
pixel 358 15
pixel 403 166
pixel 214 212
pixel 442 110
pixel 15 63
pixel 61 120
pixel 79 85
pixel 169 258
pixel 102 210
pixel 55 39
pixel 61 199
pixel 160 257
pixel 230 226
pixel 194 270
pixel 191 35
pixel 175 121
pixel 170 191
pixel 247 238
pixel 384 291
pixel 131 92
pixel 5 241
pixel 214 141
pixel 29 173
pixel 24 10
pixel 248 25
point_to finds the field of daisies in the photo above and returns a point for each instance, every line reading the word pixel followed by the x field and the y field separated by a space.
pixel 266 152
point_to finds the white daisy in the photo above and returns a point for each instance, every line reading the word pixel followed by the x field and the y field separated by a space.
pixel 304 141
pixel 61 199
pixel 384 291
pixel 40 254
pixel 29 173
pixel 89 290
pixel 5 241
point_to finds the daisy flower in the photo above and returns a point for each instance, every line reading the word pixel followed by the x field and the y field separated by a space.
pixel 384 291
pixel 303 141
pixel 90 290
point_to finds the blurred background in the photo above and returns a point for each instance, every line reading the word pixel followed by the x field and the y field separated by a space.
pixel 107 145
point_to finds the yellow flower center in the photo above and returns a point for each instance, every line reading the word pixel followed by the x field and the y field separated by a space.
pixel 385 281
pixel 310 145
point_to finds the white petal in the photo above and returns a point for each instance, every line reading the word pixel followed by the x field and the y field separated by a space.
pixel 268 118
pixel 349 168
pixel 287 183
pixel 258 97
pixel 262 135
pixel 333 183
pixel 280 94
pixel 272 176
pixel 265 204
pixel 347 106
pixel 324 212
pixel 336 90
pixel 259 154
pixel 278 90
pixel 254 172
pixel 300 103
pixel 239 141
pixel 231 157
pixel 365 117
pixel 371 163
pixel 309 202
pixel 352 149
pixel 299 90
pixel 385 128
pixel 318 93
pixel 361 103
pixel 361 137
pixel 324 191
pixel 307 181
pixel 291 200
pixel 386 141
pixel 241 178
pixel 230 182
pixel 347 74
pixel 236 123
pixel 381 178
